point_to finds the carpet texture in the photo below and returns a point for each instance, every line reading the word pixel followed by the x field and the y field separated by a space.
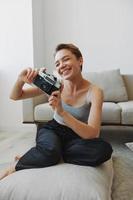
pixel 122 188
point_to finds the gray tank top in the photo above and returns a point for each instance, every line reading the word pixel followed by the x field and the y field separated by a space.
pixel 81 113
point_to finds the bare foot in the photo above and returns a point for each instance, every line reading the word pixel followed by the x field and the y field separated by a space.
pixel 9 170
pixel 3 173
pixel 17 157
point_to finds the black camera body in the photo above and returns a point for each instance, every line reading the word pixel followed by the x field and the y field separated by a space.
pixel 46 82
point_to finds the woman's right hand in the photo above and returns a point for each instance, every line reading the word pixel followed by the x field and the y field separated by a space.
pixel 27 75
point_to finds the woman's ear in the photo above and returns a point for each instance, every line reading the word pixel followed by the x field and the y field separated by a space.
pixel 81 62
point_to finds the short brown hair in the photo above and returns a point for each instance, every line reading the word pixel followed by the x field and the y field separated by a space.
pixel 71 47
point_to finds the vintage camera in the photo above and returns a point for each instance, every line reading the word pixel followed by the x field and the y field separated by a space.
pixel 46 82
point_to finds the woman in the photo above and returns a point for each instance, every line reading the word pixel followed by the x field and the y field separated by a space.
pixel 73 134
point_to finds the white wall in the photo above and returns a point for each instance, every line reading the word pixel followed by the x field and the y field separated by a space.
pixel 38 33
pixel 102 29
pixel 16 53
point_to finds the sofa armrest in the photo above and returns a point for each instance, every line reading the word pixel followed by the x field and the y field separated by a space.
pixel 28 110
pixel 29 105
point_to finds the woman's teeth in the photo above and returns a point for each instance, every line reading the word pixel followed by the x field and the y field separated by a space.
pixel 66 71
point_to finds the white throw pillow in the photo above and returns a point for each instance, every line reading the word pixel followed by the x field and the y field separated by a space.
pixel 59 182
pixel 111 82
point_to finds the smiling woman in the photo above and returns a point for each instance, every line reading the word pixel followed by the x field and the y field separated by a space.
pixel 73 134
pixel 71 49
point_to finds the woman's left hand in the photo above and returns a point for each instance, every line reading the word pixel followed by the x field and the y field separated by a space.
pixel 55 101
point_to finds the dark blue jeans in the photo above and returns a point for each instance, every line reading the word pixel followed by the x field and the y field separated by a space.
pixel 55 142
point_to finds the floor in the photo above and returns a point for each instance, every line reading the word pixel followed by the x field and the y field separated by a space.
pixel 122 188
pixel 12 144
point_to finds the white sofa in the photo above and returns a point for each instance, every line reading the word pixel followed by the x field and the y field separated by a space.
pixel 117 106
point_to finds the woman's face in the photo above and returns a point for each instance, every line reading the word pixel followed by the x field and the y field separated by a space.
pixel 67 64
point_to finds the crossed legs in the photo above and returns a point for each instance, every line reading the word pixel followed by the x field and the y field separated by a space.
pixel 49 150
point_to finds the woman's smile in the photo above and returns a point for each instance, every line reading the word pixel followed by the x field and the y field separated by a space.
pixel 65 71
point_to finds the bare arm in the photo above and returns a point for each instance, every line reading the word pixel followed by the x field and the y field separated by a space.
pixel 92 129
pixel 18 92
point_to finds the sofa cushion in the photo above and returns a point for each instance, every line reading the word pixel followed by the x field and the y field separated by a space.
pixel 111 82
pixel 60 182
pixel 111 113
pixel 43 112
pixel 127 112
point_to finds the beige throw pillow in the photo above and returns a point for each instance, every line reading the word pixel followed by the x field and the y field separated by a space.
pixel 111 82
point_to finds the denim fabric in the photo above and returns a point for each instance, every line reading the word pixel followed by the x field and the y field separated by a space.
pixel 55 142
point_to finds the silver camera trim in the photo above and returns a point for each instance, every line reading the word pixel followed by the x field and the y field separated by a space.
pixel 45 75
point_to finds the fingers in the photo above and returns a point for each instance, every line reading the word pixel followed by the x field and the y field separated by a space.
pixel 27 75
pixel 56 94
pixel 31 74
pixel 43 69
pixel 54 98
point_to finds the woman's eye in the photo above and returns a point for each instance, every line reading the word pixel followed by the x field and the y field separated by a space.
pixel 66 59
pixel 57 65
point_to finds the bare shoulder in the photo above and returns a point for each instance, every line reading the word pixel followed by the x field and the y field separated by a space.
pixel 95 94
pixel 97 90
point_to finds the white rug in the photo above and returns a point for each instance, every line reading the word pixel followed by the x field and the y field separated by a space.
pixel 12 144
pixel 122 188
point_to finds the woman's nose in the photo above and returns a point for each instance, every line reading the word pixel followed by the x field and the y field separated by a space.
pixel 62 65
